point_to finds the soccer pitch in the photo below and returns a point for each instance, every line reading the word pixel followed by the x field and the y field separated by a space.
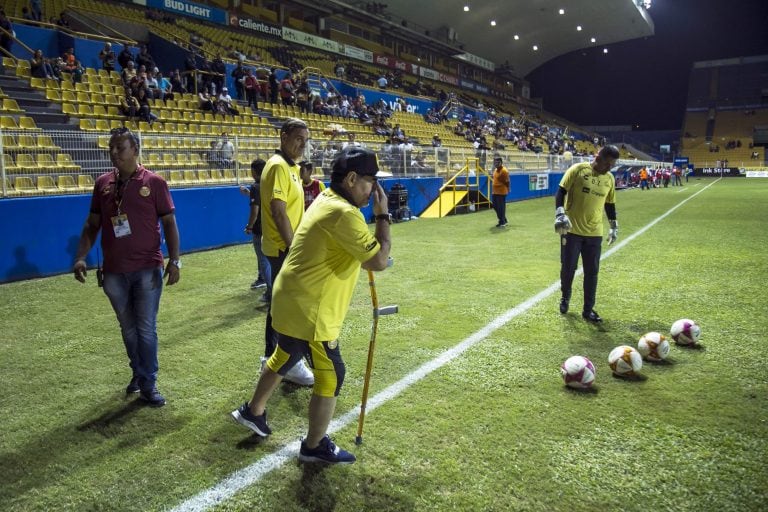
pixel 492 429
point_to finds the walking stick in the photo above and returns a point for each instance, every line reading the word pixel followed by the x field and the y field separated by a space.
pixel 377 311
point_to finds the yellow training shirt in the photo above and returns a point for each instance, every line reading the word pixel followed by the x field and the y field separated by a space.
pixel 280 180
pixel 314 287
pixel 587 193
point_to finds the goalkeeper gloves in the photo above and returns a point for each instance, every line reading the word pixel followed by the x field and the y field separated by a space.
pixel 613 233
pixel 562 222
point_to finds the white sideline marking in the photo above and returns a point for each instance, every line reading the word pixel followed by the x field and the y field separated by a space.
pixel 249 475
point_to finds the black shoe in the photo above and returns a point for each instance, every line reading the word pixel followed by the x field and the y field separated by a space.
pixel 258 424
pixel 152 397
pixel 563 306
pixel 133 386
pixel 591 316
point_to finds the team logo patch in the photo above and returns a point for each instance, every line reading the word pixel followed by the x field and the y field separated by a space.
pixel 563 241
pixel 333 344
pixel 585 190
pixel 370 246
pixel 106 190
pixel 144 191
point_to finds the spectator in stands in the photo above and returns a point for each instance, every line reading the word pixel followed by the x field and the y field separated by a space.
pixel 26 15
pixel 351 141
pixel 287 91
pixel 39 66
pixel 207 102
pixel 238 75
pixel 107 57
pixel 755 155
pixel 153 86
pixel 78 72
pixel 69 60
pixel 224 103
pixel 128 74
pixel 176 84
pixel 6 37
pixel 303 98
pixel 311 186
pixel 382 82
pixel 398 135
pixel 164 86
pixel 125 56
pixel 129 105
pixel 274 86
pixel 37 9
pixel 144 58
pixel 219 69
pixel 145 109
pixel 226 151
pixel 338 70
pixel 436 141
pixel 133 262
pixel 251 86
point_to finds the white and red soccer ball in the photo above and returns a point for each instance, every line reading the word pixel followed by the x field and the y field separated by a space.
pixel 625 361
pixel 578 372
pixel 685 332
pixel 653 346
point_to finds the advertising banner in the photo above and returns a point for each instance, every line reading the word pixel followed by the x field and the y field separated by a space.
pixel 190 9
pixel 757 174
pixel 394 63
pixel 538 182
pixel 358 53
pixel 258 26
pixel 320 43
pixel 477 61
pixel 726 172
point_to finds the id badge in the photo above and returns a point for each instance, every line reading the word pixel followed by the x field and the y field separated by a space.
pixel 121 226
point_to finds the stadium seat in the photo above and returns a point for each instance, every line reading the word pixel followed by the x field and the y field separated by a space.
pixel 102 125
pixel 46 163
pixel 169 160
pixel 8 123
pixel 46 185
pixel 9 142
pixel 103 141
pixel 24 185
pixel 215 176
pixel 23 68
pixel 162 174
pixel 84 110
pixel 100 111
pixel 229 175
pixel 88 125
pixel 27 141
pixel 9 190
pixel 10 105
pixel 85 181
pixel 68 96
pixel 37 83
pixel 27 123
pixel 182 160
pixel 65 162
pixel 195 160
pixel 175 177
pixel 190 176
pixel 26 163
pixel 66 182
pixel 46 142
pixel 8 164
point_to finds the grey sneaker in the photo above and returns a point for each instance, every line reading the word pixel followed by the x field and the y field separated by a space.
pixel 258 424
pixel 326 452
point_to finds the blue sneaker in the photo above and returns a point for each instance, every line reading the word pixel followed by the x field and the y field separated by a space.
pixel 258 424
pixel 133 386
pixel 152 397
pixel 326 452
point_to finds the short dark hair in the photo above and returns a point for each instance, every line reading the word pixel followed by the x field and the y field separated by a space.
pixel 257 166
pixel 125 132
pixel 609 151
pixel 293 123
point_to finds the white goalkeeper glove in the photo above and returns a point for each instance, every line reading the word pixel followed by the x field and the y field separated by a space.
pixel 613 233
pixel 562 222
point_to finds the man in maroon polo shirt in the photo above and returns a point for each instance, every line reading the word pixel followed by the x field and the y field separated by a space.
pixel 126 205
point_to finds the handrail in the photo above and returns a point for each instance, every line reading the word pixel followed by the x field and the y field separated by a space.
pixel 124 39
pixel 17 40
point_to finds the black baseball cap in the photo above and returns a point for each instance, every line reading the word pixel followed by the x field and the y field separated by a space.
pixel 355 159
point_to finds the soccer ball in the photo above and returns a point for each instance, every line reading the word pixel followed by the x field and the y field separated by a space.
pixel 653 346
pixel 578 372
pixel 625 361
pixel 685 332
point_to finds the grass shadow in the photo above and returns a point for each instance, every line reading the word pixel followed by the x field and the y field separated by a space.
pixel 251 442
pixel 314 491
pixel 590 391
pixel 638 377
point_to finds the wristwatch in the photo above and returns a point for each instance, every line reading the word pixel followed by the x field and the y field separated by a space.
pixel 384 216
pixel 175 263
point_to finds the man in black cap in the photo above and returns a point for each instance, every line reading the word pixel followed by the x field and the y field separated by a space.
pixel 312 294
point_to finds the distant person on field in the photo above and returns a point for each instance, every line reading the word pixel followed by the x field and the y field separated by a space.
pixel 311 186
pixel 586 190
pixel 253 227
pixel 313 292
pixel 499 191
pixel 126 205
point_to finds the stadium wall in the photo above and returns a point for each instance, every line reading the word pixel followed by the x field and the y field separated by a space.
pixel 40 234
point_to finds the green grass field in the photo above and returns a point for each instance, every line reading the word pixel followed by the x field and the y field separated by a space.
pixel 492 430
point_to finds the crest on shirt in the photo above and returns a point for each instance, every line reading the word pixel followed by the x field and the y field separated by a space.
pixel 370 246
pixel 333 344
pixel 144 191
pixel 106 190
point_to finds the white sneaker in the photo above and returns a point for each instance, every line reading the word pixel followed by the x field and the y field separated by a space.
pixel 300 375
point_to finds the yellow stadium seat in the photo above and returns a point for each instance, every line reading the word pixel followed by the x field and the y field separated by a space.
pixel 53 95
pixel 26 163
pixel 88 125
pixel 162 174
pixel 46 185
pixel 195 160
pixel 22 68
pixel 182 160
pixel 203 176
pixel 169 160
pixel 8 164
pixel 11 106
pixel 9 190
pixel 66 182
pixel 103 141
pixel 85 181
pixel 8 123
pixel 115 123
pixel 67 86
pixel 190 176
pixel 83 97
pixel 216 176
pixel 102 125
pixel 24 185
pixel 68 96
pixel 229 175
pixel 64 161
pixel 46 142
pixel 46 163
pixel 100 111
pixel 84 110
pixel 27 123
pixel 69 109
pixel 27 141
pixel 37 83
pixel 9 142
pixel 82 87
pixel 175 177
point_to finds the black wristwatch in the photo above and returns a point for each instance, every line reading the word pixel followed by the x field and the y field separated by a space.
pixel 384 216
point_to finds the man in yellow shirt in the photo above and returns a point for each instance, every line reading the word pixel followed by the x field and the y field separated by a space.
pixel 313 293
pixel 499 191
pixel 585 191
pixel 282 200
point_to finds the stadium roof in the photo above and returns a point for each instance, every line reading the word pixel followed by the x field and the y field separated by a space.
pixel 536 22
